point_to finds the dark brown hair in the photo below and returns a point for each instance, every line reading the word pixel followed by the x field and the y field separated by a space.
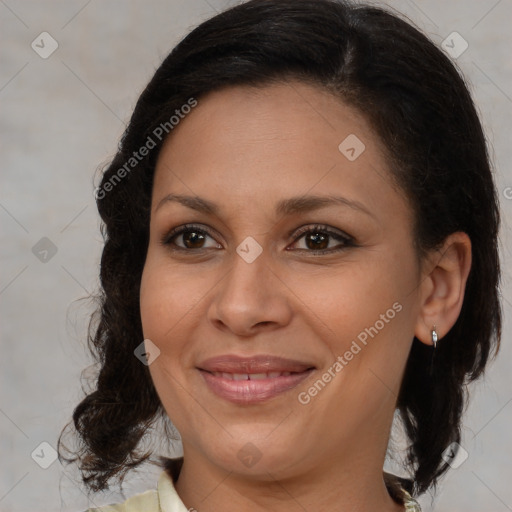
pixel 416 101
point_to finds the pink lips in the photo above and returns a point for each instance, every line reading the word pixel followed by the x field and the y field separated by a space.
pixel 249 380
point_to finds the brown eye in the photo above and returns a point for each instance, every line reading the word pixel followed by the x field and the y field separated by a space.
pixel 192 239
pixel 322 240
pixel 316 241
pixel 189 238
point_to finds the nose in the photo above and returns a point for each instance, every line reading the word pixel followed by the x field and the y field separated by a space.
pixel 251 298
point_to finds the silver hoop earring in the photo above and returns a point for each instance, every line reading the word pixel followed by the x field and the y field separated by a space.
pixel 434 337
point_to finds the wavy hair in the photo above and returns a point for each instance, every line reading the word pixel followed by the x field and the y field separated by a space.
pixel 417 102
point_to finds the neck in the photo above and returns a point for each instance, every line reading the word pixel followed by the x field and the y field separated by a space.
pixel 336 484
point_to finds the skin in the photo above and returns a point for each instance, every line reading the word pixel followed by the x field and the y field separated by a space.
pixel 245 149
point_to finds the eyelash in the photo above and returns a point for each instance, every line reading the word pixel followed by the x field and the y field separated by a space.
pixel 319 228
pixel 316 228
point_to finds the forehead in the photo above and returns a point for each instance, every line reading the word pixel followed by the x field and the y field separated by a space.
pixel 274 112
pixel 286 139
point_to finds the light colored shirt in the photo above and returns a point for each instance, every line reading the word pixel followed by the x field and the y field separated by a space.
pixel 165 499
pixel 162 499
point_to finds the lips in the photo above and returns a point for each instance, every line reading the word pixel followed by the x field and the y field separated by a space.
pixel 251 376
pixel 253 365
pixel 251 380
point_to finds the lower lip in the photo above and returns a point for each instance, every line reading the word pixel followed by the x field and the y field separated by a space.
pixel 252 391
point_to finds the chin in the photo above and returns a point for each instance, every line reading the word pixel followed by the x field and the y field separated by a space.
pixel 250 453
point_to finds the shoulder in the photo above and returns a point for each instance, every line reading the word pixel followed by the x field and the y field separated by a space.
pixel 398 488
pixel 411 505
pixel 162 499
pixel 143 502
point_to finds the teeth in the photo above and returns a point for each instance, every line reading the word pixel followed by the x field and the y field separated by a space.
pixel 251 376
pixel 257 376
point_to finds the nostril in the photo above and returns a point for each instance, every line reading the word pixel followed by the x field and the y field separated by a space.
pixel 264 323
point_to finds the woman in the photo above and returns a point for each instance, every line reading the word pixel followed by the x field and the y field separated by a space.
pixel 300 241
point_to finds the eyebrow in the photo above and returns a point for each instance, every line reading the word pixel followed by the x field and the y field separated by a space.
pixel 300 204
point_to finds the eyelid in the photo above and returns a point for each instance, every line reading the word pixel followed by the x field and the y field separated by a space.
pixel 307 228
pixel 295 233
pixel 178 230
pixel 341 236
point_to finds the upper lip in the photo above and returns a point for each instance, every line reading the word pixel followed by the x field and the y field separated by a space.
pixel 253 364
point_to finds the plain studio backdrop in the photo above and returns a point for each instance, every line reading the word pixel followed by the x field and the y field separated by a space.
pixel 70 76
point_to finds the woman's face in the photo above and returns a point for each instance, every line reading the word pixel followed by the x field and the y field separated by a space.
pixel 285 312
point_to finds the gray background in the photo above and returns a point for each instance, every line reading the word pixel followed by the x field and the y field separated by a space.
pixel 61 118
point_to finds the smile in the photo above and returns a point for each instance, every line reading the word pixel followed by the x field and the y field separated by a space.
pixel 252 388
pixel 251 376
pixel 252 380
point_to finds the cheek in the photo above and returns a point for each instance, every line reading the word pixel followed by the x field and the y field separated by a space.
pixel 154 303
pixel 364 314
pixel 165 302
pixel 166 298
pixel 350 299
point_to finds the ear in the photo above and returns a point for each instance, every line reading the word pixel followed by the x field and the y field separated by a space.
pixel 443 287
